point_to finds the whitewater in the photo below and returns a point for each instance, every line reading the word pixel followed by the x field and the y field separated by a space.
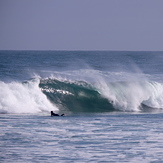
pixel 113 102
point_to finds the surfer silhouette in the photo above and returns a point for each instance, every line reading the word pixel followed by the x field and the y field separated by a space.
pixel 53 114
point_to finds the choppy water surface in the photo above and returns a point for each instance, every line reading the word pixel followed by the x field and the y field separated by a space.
pixel 111 137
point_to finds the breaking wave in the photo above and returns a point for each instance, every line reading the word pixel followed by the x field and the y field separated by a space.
pixel 44 95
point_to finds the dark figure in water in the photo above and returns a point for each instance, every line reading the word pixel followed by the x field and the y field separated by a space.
pixel 53 114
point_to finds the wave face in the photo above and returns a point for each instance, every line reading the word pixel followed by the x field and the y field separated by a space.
pixel 75 96
pixel 82 96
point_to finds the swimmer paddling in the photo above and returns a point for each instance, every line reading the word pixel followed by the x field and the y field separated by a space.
pixel 53 114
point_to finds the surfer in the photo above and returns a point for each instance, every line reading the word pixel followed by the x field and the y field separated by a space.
pixel 53 114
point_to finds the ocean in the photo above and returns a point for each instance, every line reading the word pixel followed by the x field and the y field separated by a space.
pixel 112 101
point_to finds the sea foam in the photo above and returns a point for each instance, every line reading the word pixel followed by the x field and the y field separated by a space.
pixel 24 97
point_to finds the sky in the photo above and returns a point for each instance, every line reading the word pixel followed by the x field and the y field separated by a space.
pixel 133 25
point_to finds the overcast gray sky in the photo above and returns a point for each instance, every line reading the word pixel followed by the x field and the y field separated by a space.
pixel 81 25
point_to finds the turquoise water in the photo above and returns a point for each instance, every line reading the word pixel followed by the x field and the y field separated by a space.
pixel 112 100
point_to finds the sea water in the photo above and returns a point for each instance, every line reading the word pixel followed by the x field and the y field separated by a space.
pixel 112 101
